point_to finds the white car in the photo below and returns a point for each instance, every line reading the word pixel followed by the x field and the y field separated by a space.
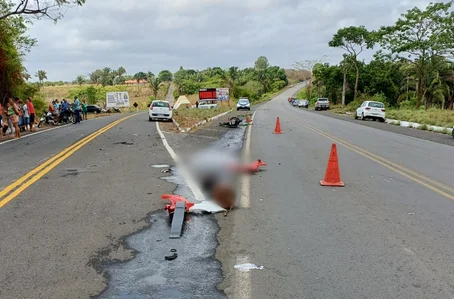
pixel 372 110
pixel 243 103
pixel 208 104
pixel 160 110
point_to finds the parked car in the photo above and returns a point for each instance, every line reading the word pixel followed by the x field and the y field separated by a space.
pixel 160 110
pixel 295 103
pixel 372 110
pixel 94 109
pixel 243 104
pixel 208 104
pixel 322 104
pixel 303 104
pixel 452 132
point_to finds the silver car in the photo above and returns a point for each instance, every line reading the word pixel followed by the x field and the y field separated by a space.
pixel 322 104
pixel 303 104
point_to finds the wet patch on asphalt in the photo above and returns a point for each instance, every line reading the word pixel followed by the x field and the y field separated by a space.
pixel 194 273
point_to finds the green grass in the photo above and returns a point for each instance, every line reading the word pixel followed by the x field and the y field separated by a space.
pixel 189 117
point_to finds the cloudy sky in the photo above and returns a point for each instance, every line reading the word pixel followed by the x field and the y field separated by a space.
pixel 166 34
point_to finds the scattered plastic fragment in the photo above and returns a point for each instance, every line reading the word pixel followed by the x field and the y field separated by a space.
pixel 248 267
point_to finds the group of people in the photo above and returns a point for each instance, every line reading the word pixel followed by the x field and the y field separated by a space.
pixel 17 117
pixel 58 108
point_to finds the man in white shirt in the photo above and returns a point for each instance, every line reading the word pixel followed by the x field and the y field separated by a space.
pixel 26 117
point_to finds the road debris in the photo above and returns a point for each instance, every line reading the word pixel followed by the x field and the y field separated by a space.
pixel 248 267
pixel 124 143
pixel 171 257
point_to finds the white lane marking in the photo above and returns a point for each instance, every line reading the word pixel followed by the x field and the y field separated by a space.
pixel 242 280
pixel 182 169
pixel 245 201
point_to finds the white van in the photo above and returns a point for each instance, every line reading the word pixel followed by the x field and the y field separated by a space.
pixel 208 104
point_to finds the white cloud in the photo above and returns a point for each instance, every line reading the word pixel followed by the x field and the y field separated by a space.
pixel 166 34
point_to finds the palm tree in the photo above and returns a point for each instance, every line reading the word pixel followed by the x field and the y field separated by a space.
pixel 155 84
pixel 139 77
pixel 26 76
pixel 80 80
pixel 41 75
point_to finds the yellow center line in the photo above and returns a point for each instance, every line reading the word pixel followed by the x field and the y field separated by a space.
pixel 48 165
pixel 410 174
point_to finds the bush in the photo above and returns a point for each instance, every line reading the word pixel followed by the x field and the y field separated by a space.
pixel 278 85
pixel 39 103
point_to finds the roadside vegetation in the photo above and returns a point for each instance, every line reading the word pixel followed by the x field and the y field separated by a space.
pixel 411 71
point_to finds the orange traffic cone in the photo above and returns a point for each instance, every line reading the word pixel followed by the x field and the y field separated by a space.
pixel 277 129
pixel 332 175
pixel 248 119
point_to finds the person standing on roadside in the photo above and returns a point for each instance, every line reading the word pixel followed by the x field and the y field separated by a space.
pixel 21 122
pixel 26 116
pixel 13 115
pixel 1 120
pixel 84 109
pixel 31 112
pixel 77 109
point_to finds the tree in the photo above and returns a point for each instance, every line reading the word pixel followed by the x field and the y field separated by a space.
pixel 95 77
pixel 26 76
pixel 52 9
pixel 118 75
pixel 261 63
pixel 80 80
pixel 354 40
pixel 155 84
pixel 419 35
pixel 139 77
pixel 165 76
pixel 121 71
pixel 308 65
pixel 41 75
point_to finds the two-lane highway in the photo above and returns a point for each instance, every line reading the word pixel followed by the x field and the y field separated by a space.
pixel 386 234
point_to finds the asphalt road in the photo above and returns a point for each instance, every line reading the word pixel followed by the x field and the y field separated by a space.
pixel 386 234
pixel 421 134
pixel 56 234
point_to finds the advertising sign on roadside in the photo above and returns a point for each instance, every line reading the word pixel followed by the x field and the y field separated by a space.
pixel 117 99
pixel 207 94
pixel 222 94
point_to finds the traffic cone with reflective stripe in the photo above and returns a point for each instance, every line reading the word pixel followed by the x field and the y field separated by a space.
pixel 277 129
pixel 332 175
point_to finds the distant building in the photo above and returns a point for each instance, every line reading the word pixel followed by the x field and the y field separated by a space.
pixel 132 82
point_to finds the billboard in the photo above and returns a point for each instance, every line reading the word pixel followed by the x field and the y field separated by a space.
pixel 220 94
pixel 207 94
pixel 117 99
